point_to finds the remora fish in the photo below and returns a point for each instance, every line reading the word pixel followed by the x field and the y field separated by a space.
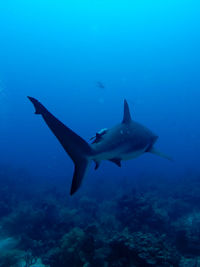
pixel 124 141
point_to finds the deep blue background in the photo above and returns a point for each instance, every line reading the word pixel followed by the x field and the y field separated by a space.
pixel 56 51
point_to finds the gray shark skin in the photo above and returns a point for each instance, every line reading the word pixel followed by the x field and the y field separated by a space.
pixel 124 141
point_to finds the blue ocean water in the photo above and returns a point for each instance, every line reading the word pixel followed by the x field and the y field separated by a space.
pixel 57 51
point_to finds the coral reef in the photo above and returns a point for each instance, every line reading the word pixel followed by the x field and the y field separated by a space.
pixel 144 226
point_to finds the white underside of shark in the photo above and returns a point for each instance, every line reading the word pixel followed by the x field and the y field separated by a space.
pixel 124 141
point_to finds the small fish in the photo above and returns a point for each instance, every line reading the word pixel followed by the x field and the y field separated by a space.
pixel 100 85
pixel 126 140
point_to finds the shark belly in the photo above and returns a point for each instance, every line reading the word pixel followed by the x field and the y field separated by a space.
pixel 123 153
pixel 133 154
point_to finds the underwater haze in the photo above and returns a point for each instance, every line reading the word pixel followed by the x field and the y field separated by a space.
pixel 81 59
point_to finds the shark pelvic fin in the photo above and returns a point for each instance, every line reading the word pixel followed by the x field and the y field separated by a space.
pixel 116 161
pixel 160 154
pixel 97 164
pixel 77 148
pixel 127 115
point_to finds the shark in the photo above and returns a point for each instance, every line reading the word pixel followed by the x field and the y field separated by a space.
pixel 124 141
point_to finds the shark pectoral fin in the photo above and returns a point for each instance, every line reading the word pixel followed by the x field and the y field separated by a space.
pixel 160 154
pixel 116 161
pixel 80 172
pixel 97 164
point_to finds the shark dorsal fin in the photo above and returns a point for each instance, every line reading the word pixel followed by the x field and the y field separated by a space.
pixel 127 115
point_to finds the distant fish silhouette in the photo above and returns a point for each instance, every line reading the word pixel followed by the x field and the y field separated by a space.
pixel 124 141
pixel 100 85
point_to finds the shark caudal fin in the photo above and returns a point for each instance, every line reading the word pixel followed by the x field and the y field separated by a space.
pixel 80 171
pixel 77 148
pixel 39 108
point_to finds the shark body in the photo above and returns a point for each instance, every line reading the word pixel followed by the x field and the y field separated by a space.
pixel 124 141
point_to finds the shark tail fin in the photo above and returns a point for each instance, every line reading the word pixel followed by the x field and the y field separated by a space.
pixel 80 171
pixel 77 148
pixel 153 150
pixel 39 108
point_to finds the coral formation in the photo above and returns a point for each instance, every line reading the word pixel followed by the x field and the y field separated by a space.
pixel 144 226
